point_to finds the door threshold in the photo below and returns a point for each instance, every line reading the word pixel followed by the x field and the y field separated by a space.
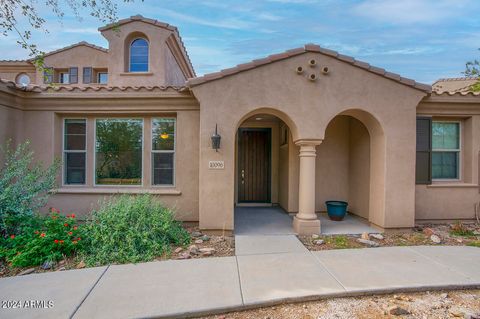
pixel 254 205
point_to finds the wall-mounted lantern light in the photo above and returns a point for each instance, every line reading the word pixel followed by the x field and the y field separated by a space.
pixel 216 140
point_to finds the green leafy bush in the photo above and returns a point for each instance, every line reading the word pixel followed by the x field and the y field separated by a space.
pixel 43 239
pixel 131 229
pixel 24 187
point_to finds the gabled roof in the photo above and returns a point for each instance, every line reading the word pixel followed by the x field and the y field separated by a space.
pixel 82 43
pixel 158 24
pixel 308 48
pixel 454 85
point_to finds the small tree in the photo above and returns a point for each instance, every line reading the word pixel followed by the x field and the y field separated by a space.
pixel 472 69
pixel 24 186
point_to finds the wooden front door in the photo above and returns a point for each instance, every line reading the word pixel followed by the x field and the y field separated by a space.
pixel 254 165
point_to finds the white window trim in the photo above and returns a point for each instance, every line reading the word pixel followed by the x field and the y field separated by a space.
pixel 130 55
pixel 459 151
pixel 174 151
pixel 95 152
pixel 74 151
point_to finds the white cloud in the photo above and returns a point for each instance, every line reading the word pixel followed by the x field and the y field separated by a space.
pixel 410 11
pixel 228 23
pixel 81 30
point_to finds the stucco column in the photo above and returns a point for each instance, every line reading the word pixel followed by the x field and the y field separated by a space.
pixel 306 221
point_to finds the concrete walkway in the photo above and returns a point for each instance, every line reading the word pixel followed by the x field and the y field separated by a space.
pixel 201 286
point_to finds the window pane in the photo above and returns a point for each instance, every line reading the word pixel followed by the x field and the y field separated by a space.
pixel 139 56
pixel 163 134
pixel 118 152
pixel 445 135
pixel 163 168
pixel 445 165
pixel 102 78
pixel 75 135
pixel 75 168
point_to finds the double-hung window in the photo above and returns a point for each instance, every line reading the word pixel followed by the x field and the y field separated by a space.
pixel 74 151
pixel 163 151
pixel 445 150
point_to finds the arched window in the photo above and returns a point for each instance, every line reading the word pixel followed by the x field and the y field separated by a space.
pixel 139 55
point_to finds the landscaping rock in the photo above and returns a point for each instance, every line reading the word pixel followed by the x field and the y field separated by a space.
pixel 398 311
pixel 444 296
pixel 319 242
pixel 198 241
pixel 428 231
pixel 377 236
pixel 48 265
pixel 365 236
pixel 315 236
pixel 81 265
pixel 205 238
pixel 61 269
pixel 367 242
pixel 207 251
pixel 193 249
pixel 476 232
pixel 196 234
pixel 457 312
pixel 435 239
pixel 184 255
pixel 26 271
pixel 177 250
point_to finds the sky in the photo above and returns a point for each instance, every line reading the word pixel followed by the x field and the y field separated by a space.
pixel 420 39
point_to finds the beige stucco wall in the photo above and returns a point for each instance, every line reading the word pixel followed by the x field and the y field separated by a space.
pixel 451 200
pixel 359 169
pixel 119 42
pixel 173 73
pixel 79 56
pixel 307 107
pixel 41 118
pixel 11 127
pixel 332 173
pixel 10 70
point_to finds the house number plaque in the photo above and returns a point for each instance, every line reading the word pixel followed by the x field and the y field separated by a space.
pixel 216 165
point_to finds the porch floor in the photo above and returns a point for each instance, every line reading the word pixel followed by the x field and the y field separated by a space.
pixel 350 225
pixel 275 221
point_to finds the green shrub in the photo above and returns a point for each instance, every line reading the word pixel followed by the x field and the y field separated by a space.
pixel 43 239
pixel 24 187
pixel 132 229
pixel 459 229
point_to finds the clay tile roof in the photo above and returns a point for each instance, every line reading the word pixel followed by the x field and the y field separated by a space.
pixel 308 48
pixel 161 24
pixel 452 86
pixel 65 88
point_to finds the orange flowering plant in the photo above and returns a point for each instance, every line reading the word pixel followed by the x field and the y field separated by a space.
pixel 47 239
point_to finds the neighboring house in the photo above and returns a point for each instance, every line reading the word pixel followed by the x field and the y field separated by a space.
pixel 297 128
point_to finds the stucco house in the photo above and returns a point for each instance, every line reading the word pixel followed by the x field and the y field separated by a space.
pixel 297 128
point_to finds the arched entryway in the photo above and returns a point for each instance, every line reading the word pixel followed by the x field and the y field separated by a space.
pixel 264 146
pixel 350 165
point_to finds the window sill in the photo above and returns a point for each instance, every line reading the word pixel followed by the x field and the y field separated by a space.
pixel 136 73
pixel 119 190
pixel 452 185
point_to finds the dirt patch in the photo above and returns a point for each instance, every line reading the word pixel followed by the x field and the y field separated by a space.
pixel 210 246
pixel 456 234
pixel 440 304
